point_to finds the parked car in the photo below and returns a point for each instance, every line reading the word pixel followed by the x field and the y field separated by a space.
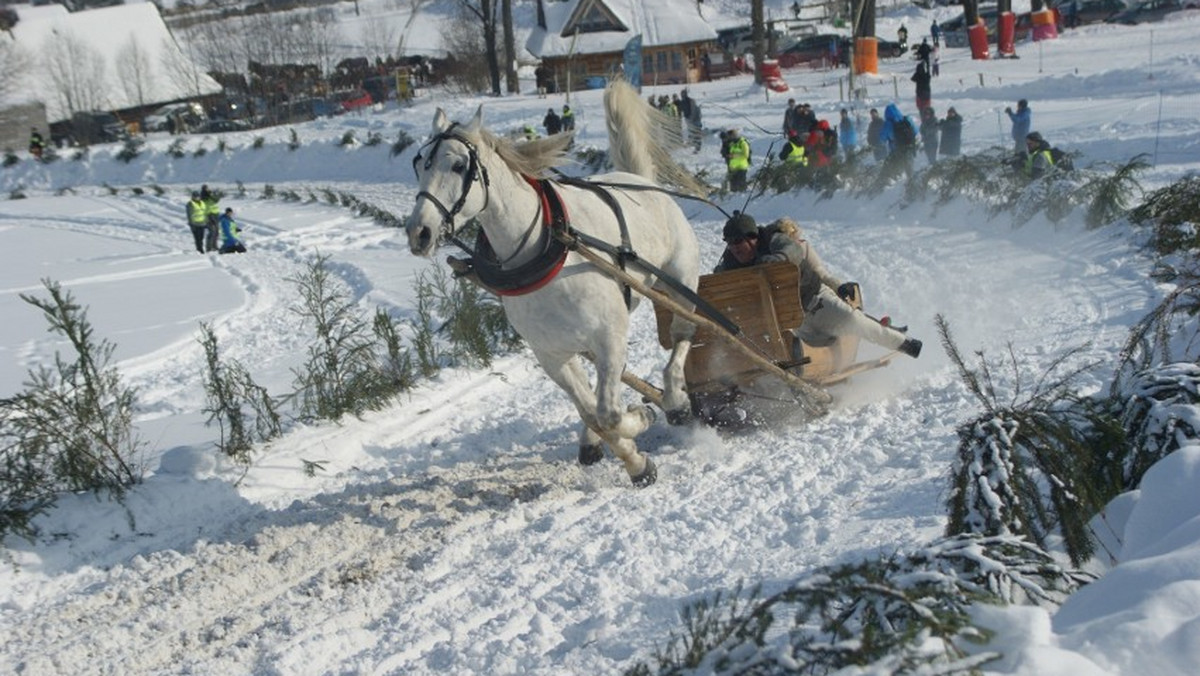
pixel 1094 11
pixel 824 49
pixel 1146 12
pixel 354 100
pixel 222 126
pixel 97 127
pixel 191 114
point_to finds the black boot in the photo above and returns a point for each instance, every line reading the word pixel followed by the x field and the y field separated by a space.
pixel 911 347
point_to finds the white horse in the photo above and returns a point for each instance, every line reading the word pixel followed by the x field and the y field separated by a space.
pixel 562 305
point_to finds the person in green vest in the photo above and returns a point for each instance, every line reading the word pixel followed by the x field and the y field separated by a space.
pixel 568 118
pixel 197 216
pixel 212 212
pixel 737 159
pixel 1038 159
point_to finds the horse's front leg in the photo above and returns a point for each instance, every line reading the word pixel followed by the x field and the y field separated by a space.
pixel 618 424
pixel 569 374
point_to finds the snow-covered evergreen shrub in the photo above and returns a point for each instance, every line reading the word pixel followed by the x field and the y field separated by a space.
pixel 1174 214
pixel 402 142
pixel 1110 197
pixel 10 158
pixel 244 412
pixel 342 375
pixel 348 139
pixel 130 149
pixel 71 428
pixel 1161 414
pixel 904 613
pixel 1032 466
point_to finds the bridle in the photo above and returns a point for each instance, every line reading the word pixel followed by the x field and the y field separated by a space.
pixel 475 172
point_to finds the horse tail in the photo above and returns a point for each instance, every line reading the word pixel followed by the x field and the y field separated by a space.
pixel 640 139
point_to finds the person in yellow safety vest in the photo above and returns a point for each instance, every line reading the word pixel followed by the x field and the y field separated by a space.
pixel 213 212
pixel 197 215
pixel 568 118
pixel 793 154
pixel 530 133
pixel 737 160
pixel 1038 159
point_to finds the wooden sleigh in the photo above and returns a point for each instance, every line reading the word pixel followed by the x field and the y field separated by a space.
pixel 726 382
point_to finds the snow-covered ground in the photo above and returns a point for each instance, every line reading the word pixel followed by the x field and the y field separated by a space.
pixel 454 532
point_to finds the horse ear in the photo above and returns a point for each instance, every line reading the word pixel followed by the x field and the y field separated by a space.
pixel 477 121
pixel 440 122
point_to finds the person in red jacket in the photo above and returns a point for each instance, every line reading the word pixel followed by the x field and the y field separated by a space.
pixel 816 146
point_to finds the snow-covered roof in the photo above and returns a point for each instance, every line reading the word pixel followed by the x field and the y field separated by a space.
pixel 664 22
pixel 107 33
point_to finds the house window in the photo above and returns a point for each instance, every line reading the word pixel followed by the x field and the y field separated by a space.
pixel 662 61
pixel 676 62
pixel 648 63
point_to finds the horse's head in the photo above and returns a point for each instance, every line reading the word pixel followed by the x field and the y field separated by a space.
pixel 448 170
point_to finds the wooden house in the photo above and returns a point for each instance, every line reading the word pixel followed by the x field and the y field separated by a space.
pixel 581 43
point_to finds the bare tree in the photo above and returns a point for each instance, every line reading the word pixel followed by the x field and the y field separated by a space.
pixel 464 41
pixel 380 38
pixel 14 66
pixel 315 36
pixel 180 61
pixel 757 33
pixel 484 12
pixel 510 49
pixel 77 73
pixel 135 71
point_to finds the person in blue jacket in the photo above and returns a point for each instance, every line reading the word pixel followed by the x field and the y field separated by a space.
pixel 1022 122
pixel 231 242
pixel 847 135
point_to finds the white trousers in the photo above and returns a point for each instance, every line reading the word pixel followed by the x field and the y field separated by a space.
pixel 831 316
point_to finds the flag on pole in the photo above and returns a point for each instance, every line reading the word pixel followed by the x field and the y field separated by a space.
pixel 633 61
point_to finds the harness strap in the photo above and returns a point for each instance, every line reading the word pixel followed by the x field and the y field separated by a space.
pixel 574 238
pixel 625 252
pixel 541 269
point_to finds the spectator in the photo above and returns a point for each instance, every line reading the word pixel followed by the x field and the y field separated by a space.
pixel 924 51
pixel 197 216
pixel 805 119
pixel 924 92
pixel 695 126
pixel 231 241
pixel 737 160
pixel 847 135
pixel 951 128
pixel 568 118
pixel 789 118
pixel 1038 159
pixel 1022 122
pixel 929 134
pixel 828 314
pixel 935 31
pixel 552 122
pixel 793 153
pixel 37 144
pixel 212 211
pixel 875 136
pixel 902 37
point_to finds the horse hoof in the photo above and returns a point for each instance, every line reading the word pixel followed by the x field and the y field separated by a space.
pixel 647 476
pixel 680 416
pixel 590 455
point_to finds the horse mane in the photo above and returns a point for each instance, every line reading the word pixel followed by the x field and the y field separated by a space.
pixel 640 139
pixel 531 158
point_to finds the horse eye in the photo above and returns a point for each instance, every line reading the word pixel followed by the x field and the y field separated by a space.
pixel 459 167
